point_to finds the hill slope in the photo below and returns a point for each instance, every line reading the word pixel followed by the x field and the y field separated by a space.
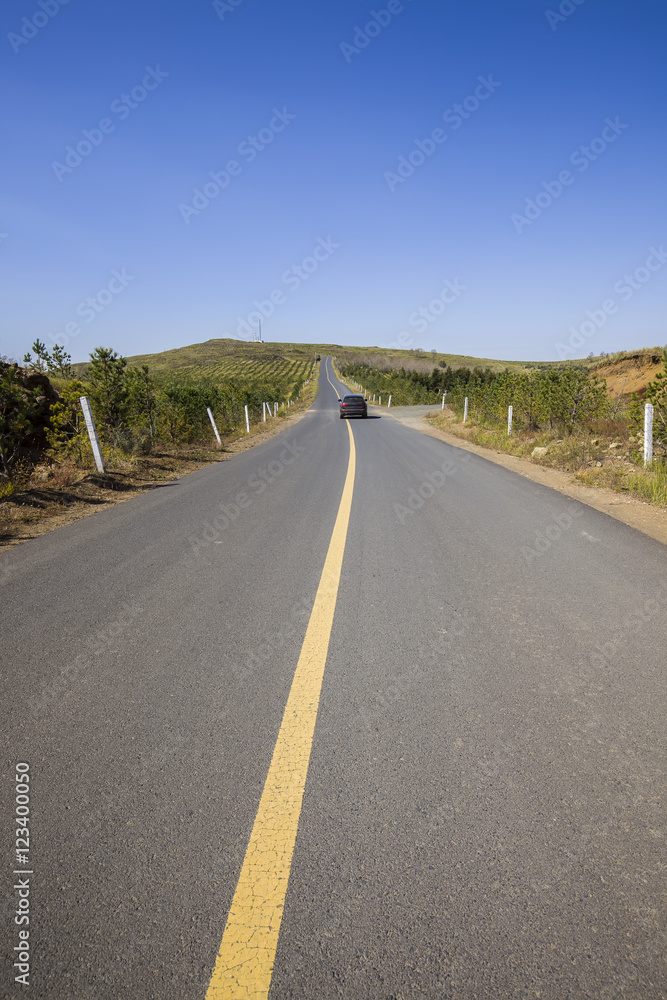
pixel 224 359
pixel 628 373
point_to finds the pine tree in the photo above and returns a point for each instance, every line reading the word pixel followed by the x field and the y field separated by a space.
pixel 108 389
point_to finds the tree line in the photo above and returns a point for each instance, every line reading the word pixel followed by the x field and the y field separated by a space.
pixel 561 399
pixel 40 408
pixel 555 398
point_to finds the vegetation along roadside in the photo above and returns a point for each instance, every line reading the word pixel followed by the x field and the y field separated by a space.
pixel 153 426
pixel 566 418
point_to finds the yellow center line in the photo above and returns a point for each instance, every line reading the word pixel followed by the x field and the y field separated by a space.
pixel 244 964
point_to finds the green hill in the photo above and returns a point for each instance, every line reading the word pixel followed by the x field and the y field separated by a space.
pixel 224 359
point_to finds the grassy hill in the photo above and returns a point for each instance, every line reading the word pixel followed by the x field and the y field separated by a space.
pixel 225 359
pixel 290 364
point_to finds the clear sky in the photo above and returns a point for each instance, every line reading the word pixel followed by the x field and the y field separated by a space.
pixel 388 172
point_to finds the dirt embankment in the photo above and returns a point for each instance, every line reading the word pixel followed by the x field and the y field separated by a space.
pixel 631 373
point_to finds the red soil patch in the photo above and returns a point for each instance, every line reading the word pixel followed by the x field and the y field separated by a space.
pixel 629 374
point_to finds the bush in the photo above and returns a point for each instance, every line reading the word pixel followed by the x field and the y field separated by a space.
pixel 656 393
pixel 66 435
pixel 24 401
pixel 555 397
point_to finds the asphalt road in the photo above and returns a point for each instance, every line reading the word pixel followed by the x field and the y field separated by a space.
pixel 483 813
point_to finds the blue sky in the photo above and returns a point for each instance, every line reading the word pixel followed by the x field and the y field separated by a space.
pixel 109 243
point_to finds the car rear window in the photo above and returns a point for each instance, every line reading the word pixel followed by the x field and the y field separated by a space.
pixel 353 399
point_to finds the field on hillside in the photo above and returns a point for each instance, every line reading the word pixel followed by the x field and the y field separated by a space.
pixel 283 366
pixel 225 353
pixel 287 365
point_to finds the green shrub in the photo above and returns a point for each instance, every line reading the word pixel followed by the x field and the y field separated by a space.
pixel 66 434
pixel 19 410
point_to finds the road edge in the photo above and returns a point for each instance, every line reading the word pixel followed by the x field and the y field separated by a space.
pixel 638 514
pixel 234 447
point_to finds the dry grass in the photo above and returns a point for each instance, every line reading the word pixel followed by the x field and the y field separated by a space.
pixel 647 483
pixel 650 483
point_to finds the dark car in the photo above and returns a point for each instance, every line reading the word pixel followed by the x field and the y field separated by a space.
pixel 353 406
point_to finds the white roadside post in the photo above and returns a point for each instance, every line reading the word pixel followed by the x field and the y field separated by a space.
pixel 247 419
pixel 648 433
pixel 264 412
pixel 389 403
pixel 443 400
pixel 275 409
pixel 379 400
pixel 92 433
pixel 213 424
pixel 465 410
pixel 510 411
